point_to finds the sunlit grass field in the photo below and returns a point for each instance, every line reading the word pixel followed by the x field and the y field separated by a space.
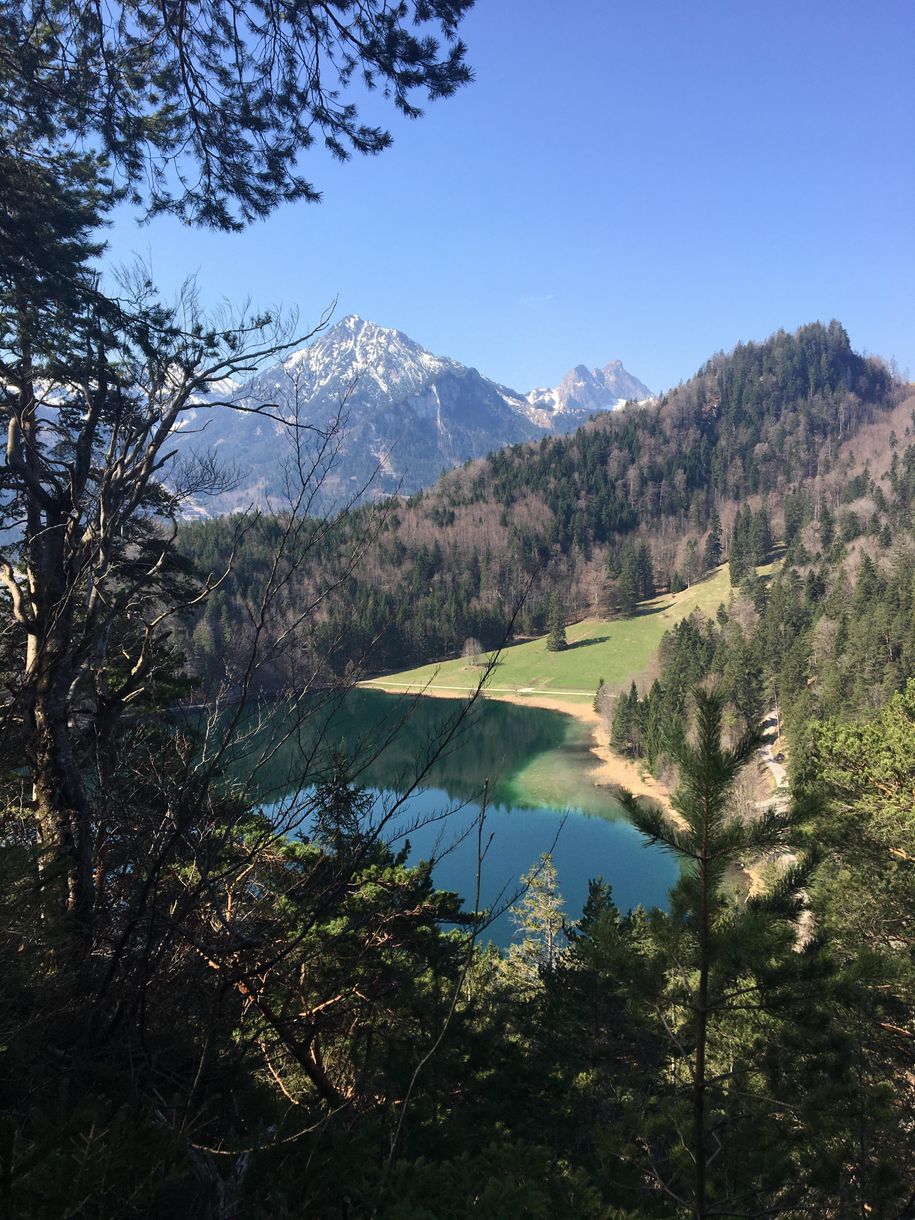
pixel 615 650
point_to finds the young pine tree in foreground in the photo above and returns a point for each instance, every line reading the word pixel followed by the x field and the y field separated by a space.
pixel 725 969
pixel 540 925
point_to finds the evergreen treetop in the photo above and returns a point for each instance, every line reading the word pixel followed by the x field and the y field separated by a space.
pixel 205 109
pixel 556 640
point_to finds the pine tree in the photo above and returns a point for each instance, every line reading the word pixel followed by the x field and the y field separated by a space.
pixel 713 944
pixel 645 572
pixel 540 922
pixel 742 682
pixel 279 82
pixel 827 528
pixel 556 641
pixel 712 553
pixel 740 552
pixel 795 515
pixel 624 733
pixel 864 895
pixel 340 821
pixel 629 584
pixel 692 548
pixel 737 562
pixel 655 724
pixel 761 537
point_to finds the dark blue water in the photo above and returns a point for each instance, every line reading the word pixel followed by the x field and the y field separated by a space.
pixel 583 846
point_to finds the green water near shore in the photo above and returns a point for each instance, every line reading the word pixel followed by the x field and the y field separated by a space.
pixel 541 792
pixel 532 758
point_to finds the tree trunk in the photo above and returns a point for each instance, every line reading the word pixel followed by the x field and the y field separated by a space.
pixel 699 1149
pixel 60 800
pixel 61 806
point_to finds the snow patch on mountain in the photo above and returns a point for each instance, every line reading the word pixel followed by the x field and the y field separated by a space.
pixel 399 414
pixel 588 391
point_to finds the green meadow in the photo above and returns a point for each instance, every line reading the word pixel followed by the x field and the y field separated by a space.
pixel 616 650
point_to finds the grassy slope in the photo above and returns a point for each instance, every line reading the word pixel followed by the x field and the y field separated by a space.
pixel 616 651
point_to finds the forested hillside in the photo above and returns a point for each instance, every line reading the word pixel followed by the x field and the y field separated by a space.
pixel 397 415
pixel 640 499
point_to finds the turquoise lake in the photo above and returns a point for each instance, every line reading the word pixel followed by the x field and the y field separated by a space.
pixel 541 793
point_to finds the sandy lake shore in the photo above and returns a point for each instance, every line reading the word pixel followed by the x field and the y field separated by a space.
pixel 612 770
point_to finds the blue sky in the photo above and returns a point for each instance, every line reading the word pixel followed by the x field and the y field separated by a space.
pixel 649 181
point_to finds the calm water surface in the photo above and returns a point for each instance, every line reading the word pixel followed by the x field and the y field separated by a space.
pixel 542 795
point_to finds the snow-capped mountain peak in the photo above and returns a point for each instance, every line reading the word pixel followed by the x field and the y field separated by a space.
pixel 587 391
pixel 354 350
pixel 405 413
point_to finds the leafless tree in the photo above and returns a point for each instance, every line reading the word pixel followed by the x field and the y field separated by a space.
pixel 90 520
pixel 145 795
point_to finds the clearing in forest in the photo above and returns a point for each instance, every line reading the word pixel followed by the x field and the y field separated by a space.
pixel 616 650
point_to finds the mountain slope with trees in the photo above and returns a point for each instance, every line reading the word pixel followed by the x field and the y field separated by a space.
pixel 644 499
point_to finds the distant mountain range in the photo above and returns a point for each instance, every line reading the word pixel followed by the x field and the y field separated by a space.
pixel 406 415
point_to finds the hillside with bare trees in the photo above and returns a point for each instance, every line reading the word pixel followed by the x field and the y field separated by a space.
pixel 751 451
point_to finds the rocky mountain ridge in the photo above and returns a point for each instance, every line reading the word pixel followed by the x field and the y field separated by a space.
pixel 397 415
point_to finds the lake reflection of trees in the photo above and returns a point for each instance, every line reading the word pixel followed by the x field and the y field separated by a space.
pixel 389 739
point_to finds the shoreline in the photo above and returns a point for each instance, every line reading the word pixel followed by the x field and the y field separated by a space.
pixel 611 770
